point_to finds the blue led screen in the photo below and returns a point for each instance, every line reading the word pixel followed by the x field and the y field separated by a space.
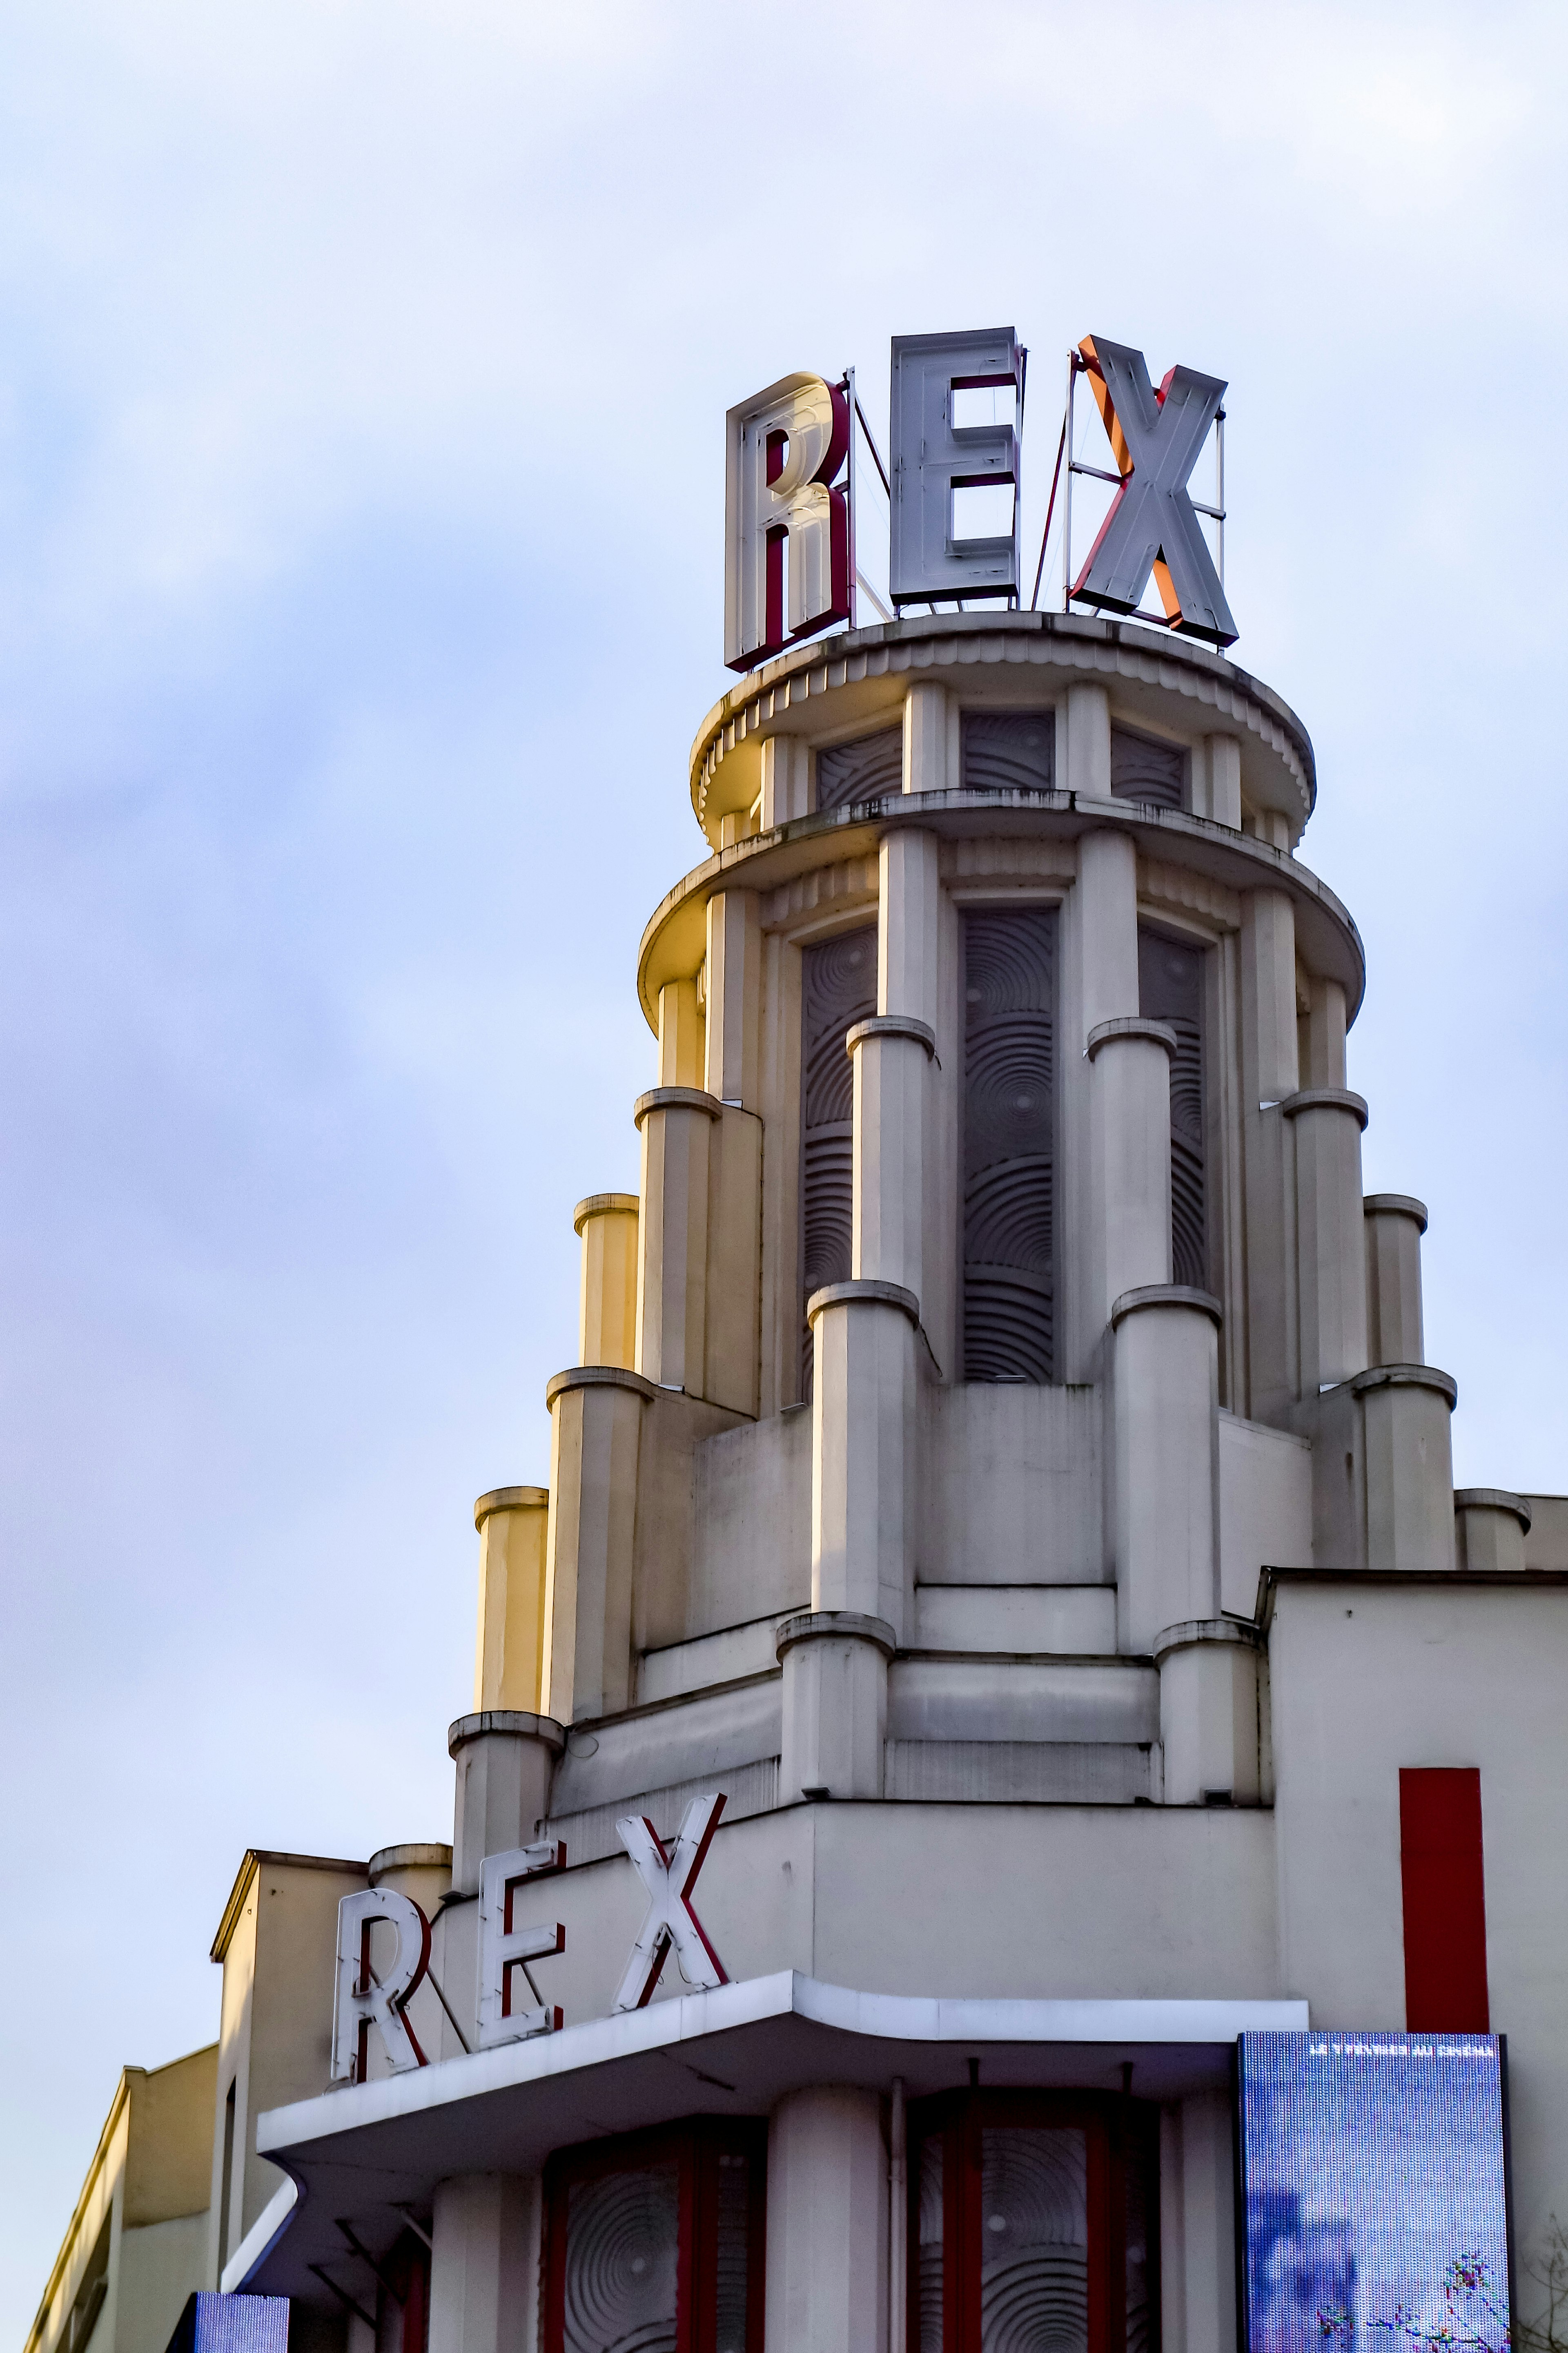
pixel 1374 2193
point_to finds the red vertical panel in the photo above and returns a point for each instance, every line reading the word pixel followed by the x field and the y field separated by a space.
pixel 1445 1901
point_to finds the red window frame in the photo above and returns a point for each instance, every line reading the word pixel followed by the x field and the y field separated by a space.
pixel 697 2144
pixel 403 2299
pixel 1119 2133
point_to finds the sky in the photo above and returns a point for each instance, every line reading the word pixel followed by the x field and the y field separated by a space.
pixel 363 375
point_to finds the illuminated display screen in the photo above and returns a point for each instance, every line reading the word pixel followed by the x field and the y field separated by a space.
pixel 1374 2193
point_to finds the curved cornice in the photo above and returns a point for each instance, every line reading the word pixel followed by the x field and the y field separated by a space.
pixel 964 642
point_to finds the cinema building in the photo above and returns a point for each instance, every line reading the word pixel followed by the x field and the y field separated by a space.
pixel 1002 1464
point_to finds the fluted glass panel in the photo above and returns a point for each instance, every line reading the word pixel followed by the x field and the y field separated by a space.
pixel 930 2245
pixel 1034 2240
pixel 1143 769
pixel 622 2246
pixel 1171 990
pixel 838 987
pixel 1009 1156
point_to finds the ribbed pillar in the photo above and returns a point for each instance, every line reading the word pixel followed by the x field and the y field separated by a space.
pixel 1394 1223
pixel 608 1315
pixel 596 1414
pixel 1166 1377
pixel 862 1464
pixel 484 2266
pixel 1209 1731
pixel 676 1125
pixel 515 1527
pixel 1326 1125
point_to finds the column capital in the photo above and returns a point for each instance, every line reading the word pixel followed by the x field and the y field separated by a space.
pixel 1493 1499
pixel 1406 1376
pixel 614 1205
pixel 864 1291
pixel 843 1625
pixel 891 1025
pixel 1324 1099
pixel 1166 1294
pixel 1130 1025
pixel 1394 1205
pixel 515 1722
pixel 511 1499
pixel 599 1377
pixel 676 1099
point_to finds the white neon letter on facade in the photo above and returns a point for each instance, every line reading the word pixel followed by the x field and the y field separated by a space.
pixel 503 1948
pixel 783 449
pixel 363 2000
pixel 930 457
pixel 670 1880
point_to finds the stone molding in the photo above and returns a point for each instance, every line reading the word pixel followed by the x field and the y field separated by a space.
pixel 674 1098
pixel 599 1377
pixel 606 1205
pixel 1493 1499
pixel 1064 642
pixel 864 1289
pixel 891 1025
pixel 1406 1376
pixel 843 1625
pixel 1166 1294
pixel 512 1721
pixel 1191 1631
pixel 1394 1205
pixel 409 1858
pixel 1324 1099
pixel 511 1499
pixel 1130 1025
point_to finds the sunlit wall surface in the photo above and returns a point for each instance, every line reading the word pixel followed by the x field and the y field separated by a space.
pixel 1374 2191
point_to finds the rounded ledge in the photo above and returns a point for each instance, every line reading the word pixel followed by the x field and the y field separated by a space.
pixel 1192 1632
pixel 1406 1376
pixel 407 1858
pixel 604 1205
pixel 511 1499
pixel 1325 1099
pixel 598 1376
pixel 1166 1294
pixel 1130 1025
pixel 676 1099
pixel 512 1721
pixel 891 1025
pixel 1394 1205
pixel 877 1295
pixel 1493 1499
pixel 846 1625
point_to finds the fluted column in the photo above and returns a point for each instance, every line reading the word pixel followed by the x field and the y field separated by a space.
pixel 1490 1526
pixel 1130 1151
pixel 1100 987
pixel 827 2222
pixel 1270 1076
pixel 608 1315
pixel 676 1125
pixel 595 1431
pixel 1394 1223
pixel 513 1525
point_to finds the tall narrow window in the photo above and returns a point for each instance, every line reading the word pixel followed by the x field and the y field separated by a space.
pixel 838 987
pixel 655 2241
pixel 1443 1887
pixel 1009 1126
pixel 1034 2224
pixel 1171 990
pixel 226 2183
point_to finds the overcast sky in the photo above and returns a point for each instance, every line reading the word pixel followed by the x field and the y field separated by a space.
pixel 363 371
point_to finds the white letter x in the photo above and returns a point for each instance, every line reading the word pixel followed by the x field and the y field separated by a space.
pixel 670 1880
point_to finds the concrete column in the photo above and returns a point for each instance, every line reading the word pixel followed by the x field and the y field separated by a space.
pixel 682 1046
pixel 1408 1466
pixel 676 1125
pixel 1084 759
pixel 607 1317
pixel 1130 1153
pixel 862 1467
pixel 828 2223
pixel 928 739
pixel 1197 2225
pixel 835 1704
pixel 1269 1075
pixel 504 1758
pixel 1491 1526
pixel 892 1054
pixel 732 1315
pixel 596 1434
pixel 1321 1037
pixel 1210 1730
pixel 1166 1425
pixel 1326 1125
pixel 1394 1224
pixel 1216 780
pixel 484 2267
pixel 1100 985
pixel 786 778
pixel 514 1526
pixel 732 1038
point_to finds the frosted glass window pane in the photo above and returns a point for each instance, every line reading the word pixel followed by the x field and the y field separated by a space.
pixel 622 2241
pixel 1034 2240
pixel 732 2234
